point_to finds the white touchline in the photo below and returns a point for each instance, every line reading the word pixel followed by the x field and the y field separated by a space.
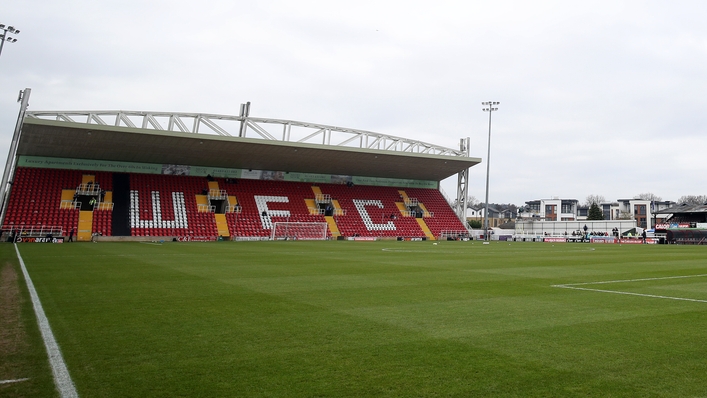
pixel 574 286
pixel 62 379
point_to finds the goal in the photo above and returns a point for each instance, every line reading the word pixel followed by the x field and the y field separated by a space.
pixel 299 230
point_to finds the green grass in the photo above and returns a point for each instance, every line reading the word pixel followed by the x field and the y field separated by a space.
pixel 22 353
pixel 374 319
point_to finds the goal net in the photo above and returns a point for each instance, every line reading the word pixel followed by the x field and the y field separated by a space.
pixel 299 230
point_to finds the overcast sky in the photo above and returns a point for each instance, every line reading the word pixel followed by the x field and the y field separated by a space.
pixel 597 97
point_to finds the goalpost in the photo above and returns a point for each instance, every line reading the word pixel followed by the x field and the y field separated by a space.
pixel 299 230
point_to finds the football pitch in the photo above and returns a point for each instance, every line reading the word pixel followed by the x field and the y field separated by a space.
pixel 354 319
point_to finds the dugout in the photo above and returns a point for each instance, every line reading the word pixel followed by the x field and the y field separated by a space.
pixel 687 236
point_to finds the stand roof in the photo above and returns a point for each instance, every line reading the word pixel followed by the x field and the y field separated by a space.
pixel 166 139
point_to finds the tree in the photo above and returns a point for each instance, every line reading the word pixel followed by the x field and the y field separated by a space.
pixel 625 215
pixel 648 196
pixel 693 199
pixel 595 212
pixel 475 224
pixel 594 199
pixel 471 201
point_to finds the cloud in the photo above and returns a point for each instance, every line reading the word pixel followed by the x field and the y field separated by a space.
pixel 596 97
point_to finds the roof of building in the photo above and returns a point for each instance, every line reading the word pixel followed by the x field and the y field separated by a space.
pixel 508 225
pixel 683 208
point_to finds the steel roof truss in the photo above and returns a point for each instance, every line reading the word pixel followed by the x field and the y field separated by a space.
pixel 177 122
pixel 261 131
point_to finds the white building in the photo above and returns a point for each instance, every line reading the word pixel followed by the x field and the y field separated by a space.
pixel 640 210
pixel 495 218
pixel 555 209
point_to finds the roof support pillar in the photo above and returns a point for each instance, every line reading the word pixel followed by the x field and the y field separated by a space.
pixel 8 176
pixel 245 112
pixel 462 185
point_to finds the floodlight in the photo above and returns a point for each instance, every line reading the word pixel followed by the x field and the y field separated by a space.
pixel 490 110
pixel 4 37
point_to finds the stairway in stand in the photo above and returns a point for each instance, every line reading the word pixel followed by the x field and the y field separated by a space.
pixel 331 222
pixel 85 226
pixel 222 225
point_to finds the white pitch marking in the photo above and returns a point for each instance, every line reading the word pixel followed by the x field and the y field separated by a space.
pixel 574 286
pixel 630 294
pixel 13 381
pixel 633 280
pixel 61 373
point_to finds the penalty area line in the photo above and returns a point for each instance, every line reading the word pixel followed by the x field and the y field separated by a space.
pixel 62 379
pixel 630 293
pixel 575 286
pixel 634 280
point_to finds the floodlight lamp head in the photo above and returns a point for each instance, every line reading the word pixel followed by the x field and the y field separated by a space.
pixel 2 26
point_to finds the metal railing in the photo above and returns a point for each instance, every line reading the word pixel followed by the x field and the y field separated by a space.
pixel 37 231
pixel 88 189
pixel 322 198
pixel 201 208
pixel 69 205
pixel 217 194
pixel 233 209
pixel 321 212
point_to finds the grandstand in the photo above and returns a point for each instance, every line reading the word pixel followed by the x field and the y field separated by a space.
pixel 118 175
pixel 686 224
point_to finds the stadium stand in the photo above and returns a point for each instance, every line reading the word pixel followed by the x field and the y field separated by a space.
pixel 146 175
pixel 192 207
